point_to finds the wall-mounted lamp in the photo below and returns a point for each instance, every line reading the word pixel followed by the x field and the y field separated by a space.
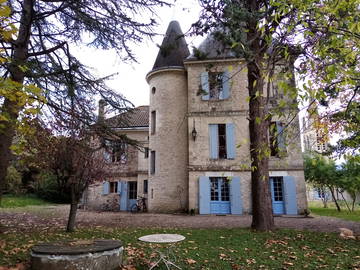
pixel 194 132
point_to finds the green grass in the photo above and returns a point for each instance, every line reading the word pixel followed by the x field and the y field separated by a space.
pixel 12 201
pixel 210 248
pixel 318 209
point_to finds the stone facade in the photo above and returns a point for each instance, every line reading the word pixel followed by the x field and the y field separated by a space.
pixel 190 168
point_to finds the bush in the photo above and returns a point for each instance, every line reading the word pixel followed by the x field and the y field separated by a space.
pixel 46 187
pixel 13 181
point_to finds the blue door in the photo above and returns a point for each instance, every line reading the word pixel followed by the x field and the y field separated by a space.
pixel 219 195
pixel 277 195
pixel 132 194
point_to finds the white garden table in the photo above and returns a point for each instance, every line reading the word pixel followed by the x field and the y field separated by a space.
pixel 164 239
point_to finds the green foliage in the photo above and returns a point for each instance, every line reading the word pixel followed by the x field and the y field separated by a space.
pixel 350 176
pixel 47 188
pixel 13 181
pixel 209 248
pixel 331 211
pixel 321 171
pixel 12 201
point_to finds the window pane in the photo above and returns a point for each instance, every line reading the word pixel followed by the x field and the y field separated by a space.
pixel 132 190
pixel 152 162
pixel 278 190
pixel 225 190
pixel 215 84
pixel 145 186
pixel 153 122
pixel 222 141
pixel 214 189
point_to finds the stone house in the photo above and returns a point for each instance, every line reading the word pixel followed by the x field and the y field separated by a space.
pixel 198 147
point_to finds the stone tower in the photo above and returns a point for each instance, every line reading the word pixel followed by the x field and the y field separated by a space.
pixel 168 133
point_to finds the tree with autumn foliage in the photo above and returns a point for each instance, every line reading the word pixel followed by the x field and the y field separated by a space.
pixel 39 55
pixel 322 36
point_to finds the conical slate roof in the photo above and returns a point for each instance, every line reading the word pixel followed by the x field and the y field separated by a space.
pixel 173 49
pixel 212 48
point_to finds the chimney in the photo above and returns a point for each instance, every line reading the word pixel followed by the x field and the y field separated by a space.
pixel 101 114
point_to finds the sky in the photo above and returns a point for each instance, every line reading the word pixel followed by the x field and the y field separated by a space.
pixel 130 80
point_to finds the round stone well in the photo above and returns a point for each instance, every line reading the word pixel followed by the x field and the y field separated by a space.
pixel 77 255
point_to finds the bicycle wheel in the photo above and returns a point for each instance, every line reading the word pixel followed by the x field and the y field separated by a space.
pixel 134 208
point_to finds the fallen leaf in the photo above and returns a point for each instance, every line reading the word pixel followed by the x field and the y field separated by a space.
pixel 190 261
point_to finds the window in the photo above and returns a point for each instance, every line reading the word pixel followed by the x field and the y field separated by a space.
pixel 113 187
pixel 215 85
pixel 119 152
pixel 146 152
pixel 145 186
pixel 222 141
pixel 152 162
pixel 278 189
pixel 153 122
pixel 219 189
pixel 110 187
pixel 132 190
pixel 276 138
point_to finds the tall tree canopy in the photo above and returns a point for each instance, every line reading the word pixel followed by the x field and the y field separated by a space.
pixel 267 34
pixel 38 54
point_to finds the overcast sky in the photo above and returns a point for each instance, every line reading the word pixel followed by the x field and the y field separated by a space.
pixel 131 78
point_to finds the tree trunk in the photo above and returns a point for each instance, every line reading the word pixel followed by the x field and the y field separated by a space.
pixel 11 108
pixel 73 209
pixel 334 198
pixel 263 219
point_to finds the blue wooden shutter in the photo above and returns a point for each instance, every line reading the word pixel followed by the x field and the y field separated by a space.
pixel 106 188
pixel 204 78
pixel 230 141
pixel 119 187
pixel 225 85
pixel 280 136
pixel 214 141
pixel 290 195
pixel 204 195
pixel 124 195
pixel 235 196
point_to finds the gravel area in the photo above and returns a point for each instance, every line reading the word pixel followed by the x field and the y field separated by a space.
pixel 43 218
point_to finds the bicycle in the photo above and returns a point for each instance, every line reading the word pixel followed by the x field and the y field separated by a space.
pixel 140 205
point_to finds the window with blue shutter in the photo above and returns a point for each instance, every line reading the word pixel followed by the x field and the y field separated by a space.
pixel 230 141
pixel 106 188
pixel 235 196
pixel 280 136
pixel 225 85
pixel 290 195
pixel 222 141
pixel 204 195
pixel 119 187
pixel 204 79
pixel 214 144
pixel 124 196
pixel 215 85
pixel 277 139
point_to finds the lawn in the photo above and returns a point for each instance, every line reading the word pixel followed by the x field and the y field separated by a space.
pixel 210 248
pixel 12 201
pixel 317 209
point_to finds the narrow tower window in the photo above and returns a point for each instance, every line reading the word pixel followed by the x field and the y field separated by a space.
pixel 153 122
pixel 152 162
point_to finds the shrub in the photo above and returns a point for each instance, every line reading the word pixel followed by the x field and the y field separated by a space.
pixel 13 181
pixel 47 188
